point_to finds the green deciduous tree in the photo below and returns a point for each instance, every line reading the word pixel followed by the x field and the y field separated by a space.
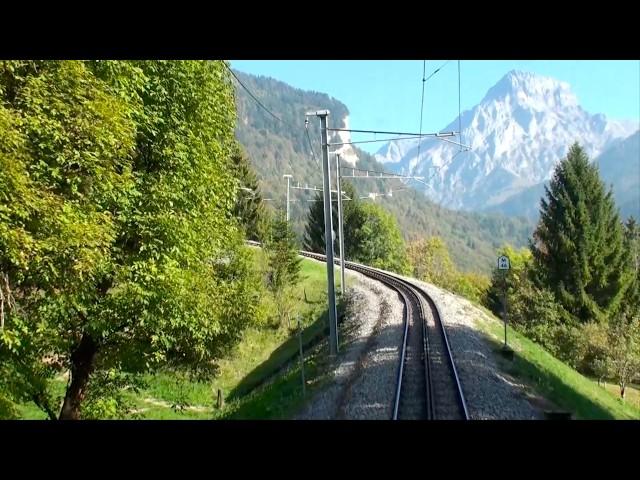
pixel 513 279
pixel 531 309
pixel 623 346
pixel 378 241
pixel 430 261
pixel 612 350
pixel 371 234
pixel 578 251
pixel 118 249
pixel 472 286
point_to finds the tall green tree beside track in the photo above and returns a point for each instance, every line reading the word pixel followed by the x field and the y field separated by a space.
pixel 578 249
pixel 118 249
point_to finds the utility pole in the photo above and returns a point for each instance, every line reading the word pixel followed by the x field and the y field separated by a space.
pixel 340 218
pixel 328 232
pixel 288 177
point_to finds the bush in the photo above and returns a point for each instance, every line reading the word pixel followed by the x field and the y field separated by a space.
pixel 283 269
pixel 7 409
pixel 471 286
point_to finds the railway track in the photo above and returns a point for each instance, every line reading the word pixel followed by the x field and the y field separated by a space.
pixel 427 386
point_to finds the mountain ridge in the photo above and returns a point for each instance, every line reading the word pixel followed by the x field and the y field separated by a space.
pixel 521 128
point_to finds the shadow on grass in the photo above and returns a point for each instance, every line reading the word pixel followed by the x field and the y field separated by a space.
pixel 563 395
pixel 282 396
pixel 308 301
pixel 280 357
pixel 286 355
pixel 552 385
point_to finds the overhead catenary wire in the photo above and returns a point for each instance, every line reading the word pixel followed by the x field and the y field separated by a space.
pixel 253 96
pixel 306 130
pixel 351 130
pixel 404 135
pixel 439 134
pixel 437 70
pixel 463 148
pixel 377 140
pixel 424 80
pixel 459 106
pixel 390 174
pixel 445 164
pixel 456 143
pixel 313 155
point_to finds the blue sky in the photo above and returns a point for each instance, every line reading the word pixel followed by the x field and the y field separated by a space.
pixel 385 95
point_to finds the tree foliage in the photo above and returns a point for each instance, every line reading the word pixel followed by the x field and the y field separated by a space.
pixel 314 239
pixel 623 347
pixel 378 241
pixel 473 286
pixel 430 261
pixel 118 249
pixel 578 252
pixel 249 207
pixel 284 264
pixel 371 234
pixel 531 309
pixel 576 293
pixel 612 350
pixel 632 246
pixel 510 281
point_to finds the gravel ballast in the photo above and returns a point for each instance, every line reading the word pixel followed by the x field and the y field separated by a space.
pixel 364 375
pixel 490 394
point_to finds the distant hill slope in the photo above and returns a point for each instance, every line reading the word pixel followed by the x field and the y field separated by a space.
pixel 620 167
pixel 281 147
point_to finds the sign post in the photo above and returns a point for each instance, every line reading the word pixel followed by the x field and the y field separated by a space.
pixel 504 266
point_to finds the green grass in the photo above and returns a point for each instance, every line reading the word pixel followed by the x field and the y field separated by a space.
pixel 261 353
pixel 287 351
pixel 29 411
pixel 556 381
pixel 632 393
pixel 282 396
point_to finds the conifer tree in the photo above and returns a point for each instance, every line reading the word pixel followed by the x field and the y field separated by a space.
pixel 249 206
pixel 578 247
pixel 284 265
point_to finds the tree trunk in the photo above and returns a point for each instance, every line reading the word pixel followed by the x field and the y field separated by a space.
pixel 622 385
pixel 81 367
